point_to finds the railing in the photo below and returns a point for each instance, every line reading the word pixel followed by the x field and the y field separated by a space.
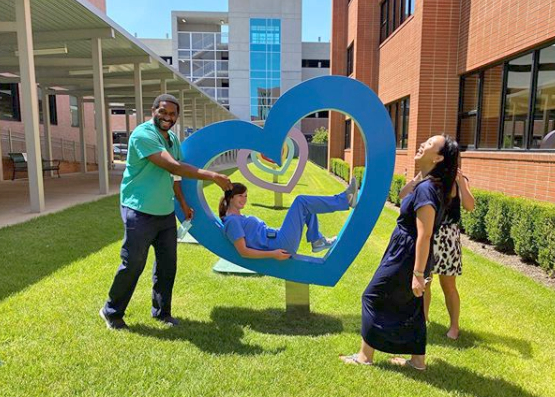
pixel 318 154
pixel 62 149
pixel 225 161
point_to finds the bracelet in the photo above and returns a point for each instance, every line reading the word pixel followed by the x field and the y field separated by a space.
pixel 417 273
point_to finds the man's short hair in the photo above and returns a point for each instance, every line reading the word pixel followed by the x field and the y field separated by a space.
pixel 165 98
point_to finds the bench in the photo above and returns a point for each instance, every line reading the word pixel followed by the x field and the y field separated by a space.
pixel 20 164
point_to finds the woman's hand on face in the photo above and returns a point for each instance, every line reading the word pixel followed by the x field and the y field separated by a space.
pixel 418 286
pixel 281 255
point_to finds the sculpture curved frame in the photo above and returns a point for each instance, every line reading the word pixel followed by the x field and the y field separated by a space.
pixel 336 93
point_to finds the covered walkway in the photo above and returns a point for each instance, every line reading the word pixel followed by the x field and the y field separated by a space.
pixel 68 47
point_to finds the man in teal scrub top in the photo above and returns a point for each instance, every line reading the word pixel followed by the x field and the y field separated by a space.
pixel 147 209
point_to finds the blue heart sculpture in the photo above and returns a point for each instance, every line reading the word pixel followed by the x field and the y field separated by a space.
pixel 337 93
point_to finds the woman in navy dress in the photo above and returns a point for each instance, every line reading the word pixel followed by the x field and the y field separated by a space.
pixel 392 304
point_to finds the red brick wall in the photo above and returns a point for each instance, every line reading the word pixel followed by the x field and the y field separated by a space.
pixel 491 30
pixel 100 4
pixel 529 175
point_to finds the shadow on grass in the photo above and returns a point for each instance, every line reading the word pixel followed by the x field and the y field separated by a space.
pixel 277 321
pixel 459 381
pixel 485 340
pixel 35 249
pixel 224 333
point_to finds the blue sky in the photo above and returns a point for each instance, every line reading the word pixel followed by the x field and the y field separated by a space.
pixel 153 21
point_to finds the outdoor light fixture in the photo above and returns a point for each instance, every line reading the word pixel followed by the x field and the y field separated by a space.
pixel 47 51
pixel 183 20
pixel 222 22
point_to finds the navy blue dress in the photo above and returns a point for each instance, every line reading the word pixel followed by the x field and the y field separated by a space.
pixel 392 317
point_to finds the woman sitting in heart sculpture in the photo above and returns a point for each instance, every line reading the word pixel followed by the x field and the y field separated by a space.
pixel 254 239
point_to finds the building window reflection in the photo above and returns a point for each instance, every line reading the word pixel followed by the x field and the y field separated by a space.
pixel 265 66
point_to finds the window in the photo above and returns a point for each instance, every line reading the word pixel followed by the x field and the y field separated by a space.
pixel 74 111
pixel 9 102
pixel 51 107
pixel 468 109
pixel 399 111
pixel 350 60
pixel 315 63
pixel 265 66
pixel 509 106
pixel 392 14
pixel 348 125
pixel 544 107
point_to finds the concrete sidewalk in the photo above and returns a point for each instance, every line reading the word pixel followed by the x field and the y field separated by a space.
pixel 60 193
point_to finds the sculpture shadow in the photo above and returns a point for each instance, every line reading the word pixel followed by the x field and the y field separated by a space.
pixel 224 333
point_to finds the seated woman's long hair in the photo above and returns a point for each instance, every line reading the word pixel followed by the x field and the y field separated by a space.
pixel 238 188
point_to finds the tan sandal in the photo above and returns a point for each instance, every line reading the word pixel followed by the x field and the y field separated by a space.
pixel 353 359
pixel 403 362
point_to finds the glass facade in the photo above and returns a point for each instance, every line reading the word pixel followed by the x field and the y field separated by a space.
pixel 204 59
pixel 510 106
pixel 265 66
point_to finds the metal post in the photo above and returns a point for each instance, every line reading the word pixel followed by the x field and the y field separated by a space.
pixel 109 137
pixel 278 196
pixel 100 115
pixel 194 114
pixel 31 108
pixel 181 134
pixel 1 161
pixel 138 94
pixel 10 140
pixel 47 125
pixel 127 124
pixel 82 141
pixel 297 298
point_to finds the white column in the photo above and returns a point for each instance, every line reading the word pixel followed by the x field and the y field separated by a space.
pixel 47 125
pixel 205 115
pixel 82 140
pixel 163 86
pixel 138 94
pixel 181 134
pixel 194 114
pixel 30 99
pixel 213 118
pixel 100 115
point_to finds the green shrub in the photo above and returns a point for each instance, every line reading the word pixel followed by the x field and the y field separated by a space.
pixel 320 135
pixel 498 222
pixel 358 173
pixel 544 234
pixel 398 182
pixel 526 217
pixel 473 223
pixel 340 168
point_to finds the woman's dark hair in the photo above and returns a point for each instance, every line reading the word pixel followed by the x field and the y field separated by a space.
pixel 444 173
pixel 238 188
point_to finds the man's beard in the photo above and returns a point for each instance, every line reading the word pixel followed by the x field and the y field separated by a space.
pixel 158 124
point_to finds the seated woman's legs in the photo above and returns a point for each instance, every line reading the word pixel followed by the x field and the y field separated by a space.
pixel 302 212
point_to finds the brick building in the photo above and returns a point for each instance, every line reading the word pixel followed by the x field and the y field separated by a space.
pixel 481 70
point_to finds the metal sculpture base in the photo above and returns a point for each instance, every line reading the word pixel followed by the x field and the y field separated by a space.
pixel 297 298
pixel 226 267
pixel 188 239
pixel 278 196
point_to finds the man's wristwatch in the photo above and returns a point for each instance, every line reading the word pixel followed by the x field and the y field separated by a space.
pixel 417 273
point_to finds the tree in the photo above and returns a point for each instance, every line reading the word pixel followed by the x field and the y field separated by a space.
pixel 320 135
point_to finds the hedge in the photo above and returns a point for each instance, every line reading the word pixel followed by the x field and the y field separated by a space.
pixel 510 224
pixel 340 168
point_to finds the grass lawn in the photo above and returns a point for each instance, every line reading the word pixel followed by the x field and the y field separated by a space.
pixel 235 339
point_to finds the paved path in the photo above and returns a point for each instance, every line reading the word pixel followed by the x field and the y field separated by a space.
pixel 60 193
